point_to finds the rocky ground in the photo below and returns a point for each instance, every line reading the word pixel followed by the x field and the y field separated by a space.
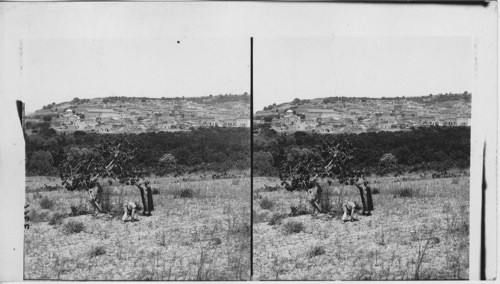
pixel 200 230
pixel 419 230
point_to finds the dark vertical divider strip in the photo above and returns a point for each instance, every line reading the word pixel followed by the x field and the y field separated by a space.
pixel 482 267
pixel 251 157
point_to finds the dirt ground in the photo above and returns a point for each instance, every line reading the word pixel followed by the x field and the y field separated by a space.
pixel 418 230
pixel 200 230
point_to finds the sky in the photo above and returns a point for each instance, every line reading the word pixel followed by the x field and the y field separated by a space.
pixel 306 68
pixel 58 70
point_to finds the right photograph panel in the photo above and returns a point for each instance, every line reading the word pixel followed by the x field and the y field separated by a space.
pixel 361 158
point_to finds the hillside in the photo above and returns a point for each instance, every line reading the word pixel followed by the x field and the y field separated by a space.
pixel 357 115
pixel 141 114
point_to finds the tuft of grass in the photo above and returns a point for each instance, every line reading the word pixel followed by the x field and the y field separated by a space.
pixel 235 182
pixel 375 191
pixel 41 216
pixel 156 191
pixel 455 181
pixel 161 238
pixel 298 210
pixel 97 251
pixel 266 203
pixel 73 227
pixel 316 250
pixel 293 227
pixel 185 193
pixel 270 188
pixel 276 219
pixel 46 203
pixel 406 192
pixel 56 219
pixel 258 217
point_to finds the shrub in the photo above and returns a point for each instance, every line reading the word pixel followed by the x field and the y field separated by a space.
pixel 298 210
pixel 56 219
pixel 76 210
pixel 292 227
pixel 259 217
pixel 156 191
pixel 270 188
pixel 276 218
pixel 316 250
pixel 96 251
pixel 186 193
pixel 38 217
pixel 73 227
pixel 46 203
pixel 406 192
pixel 265 203
pixel 375 191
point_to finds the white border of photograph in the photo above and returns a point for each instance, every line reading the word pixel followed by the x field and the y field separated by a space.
pixel 24 21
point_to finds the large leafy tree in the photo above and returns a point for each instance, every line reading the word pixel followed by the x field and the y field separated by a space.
pixel 331 160
pixel 114 159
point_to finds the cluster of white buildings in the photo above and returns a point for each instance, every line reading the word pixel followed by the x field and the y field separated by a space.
pixel 180 115
pixel 371 115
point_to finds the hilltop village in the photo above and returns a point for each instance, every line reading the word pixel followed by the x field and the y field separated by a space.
pixel 135 115
pixel 357 115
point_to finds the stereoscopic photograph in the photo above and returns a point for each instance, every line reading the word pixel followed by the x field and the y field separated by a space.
pixel 361 158
pixel 137 159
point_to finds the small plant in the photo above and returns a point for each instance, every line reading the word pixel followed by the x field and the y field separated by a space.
pixel 406 192
pixel 38 217
pixel 292 227
pixel 298 210
pixel 97 251
pixel 270 188
pixel 46 203
pixel 156 191
pixel 380 238
pixel 73 227
pixel 76 210
pixel 276 218
pixel 265 203
pixel 186 193
pixel 161 238
pixel 316 250
pixel 56 219
pixel 375 191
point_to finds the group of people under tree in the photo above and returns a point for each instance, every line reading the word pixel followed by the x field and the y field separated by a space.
pixel 114 160
pixel 331 160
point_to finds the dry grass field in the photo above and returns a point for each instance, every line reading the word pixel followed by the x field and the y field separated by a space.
pixel 418 230
pixel 200 230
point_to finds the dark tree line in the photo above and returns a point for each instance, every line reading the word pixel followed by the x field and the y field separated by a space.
pixel 204 149
pixel 426 148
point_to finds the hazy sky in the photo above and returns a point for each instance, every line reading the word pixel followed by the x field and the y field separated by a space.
pixel 305 68
pixel 57 70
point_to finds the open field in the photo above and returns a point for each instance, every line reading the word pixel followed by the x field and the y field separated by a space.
pixel 200 230
pixel 418 230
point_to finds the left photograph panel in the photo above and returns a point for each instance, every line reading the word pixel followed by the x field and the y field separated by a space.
pixel 138 157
